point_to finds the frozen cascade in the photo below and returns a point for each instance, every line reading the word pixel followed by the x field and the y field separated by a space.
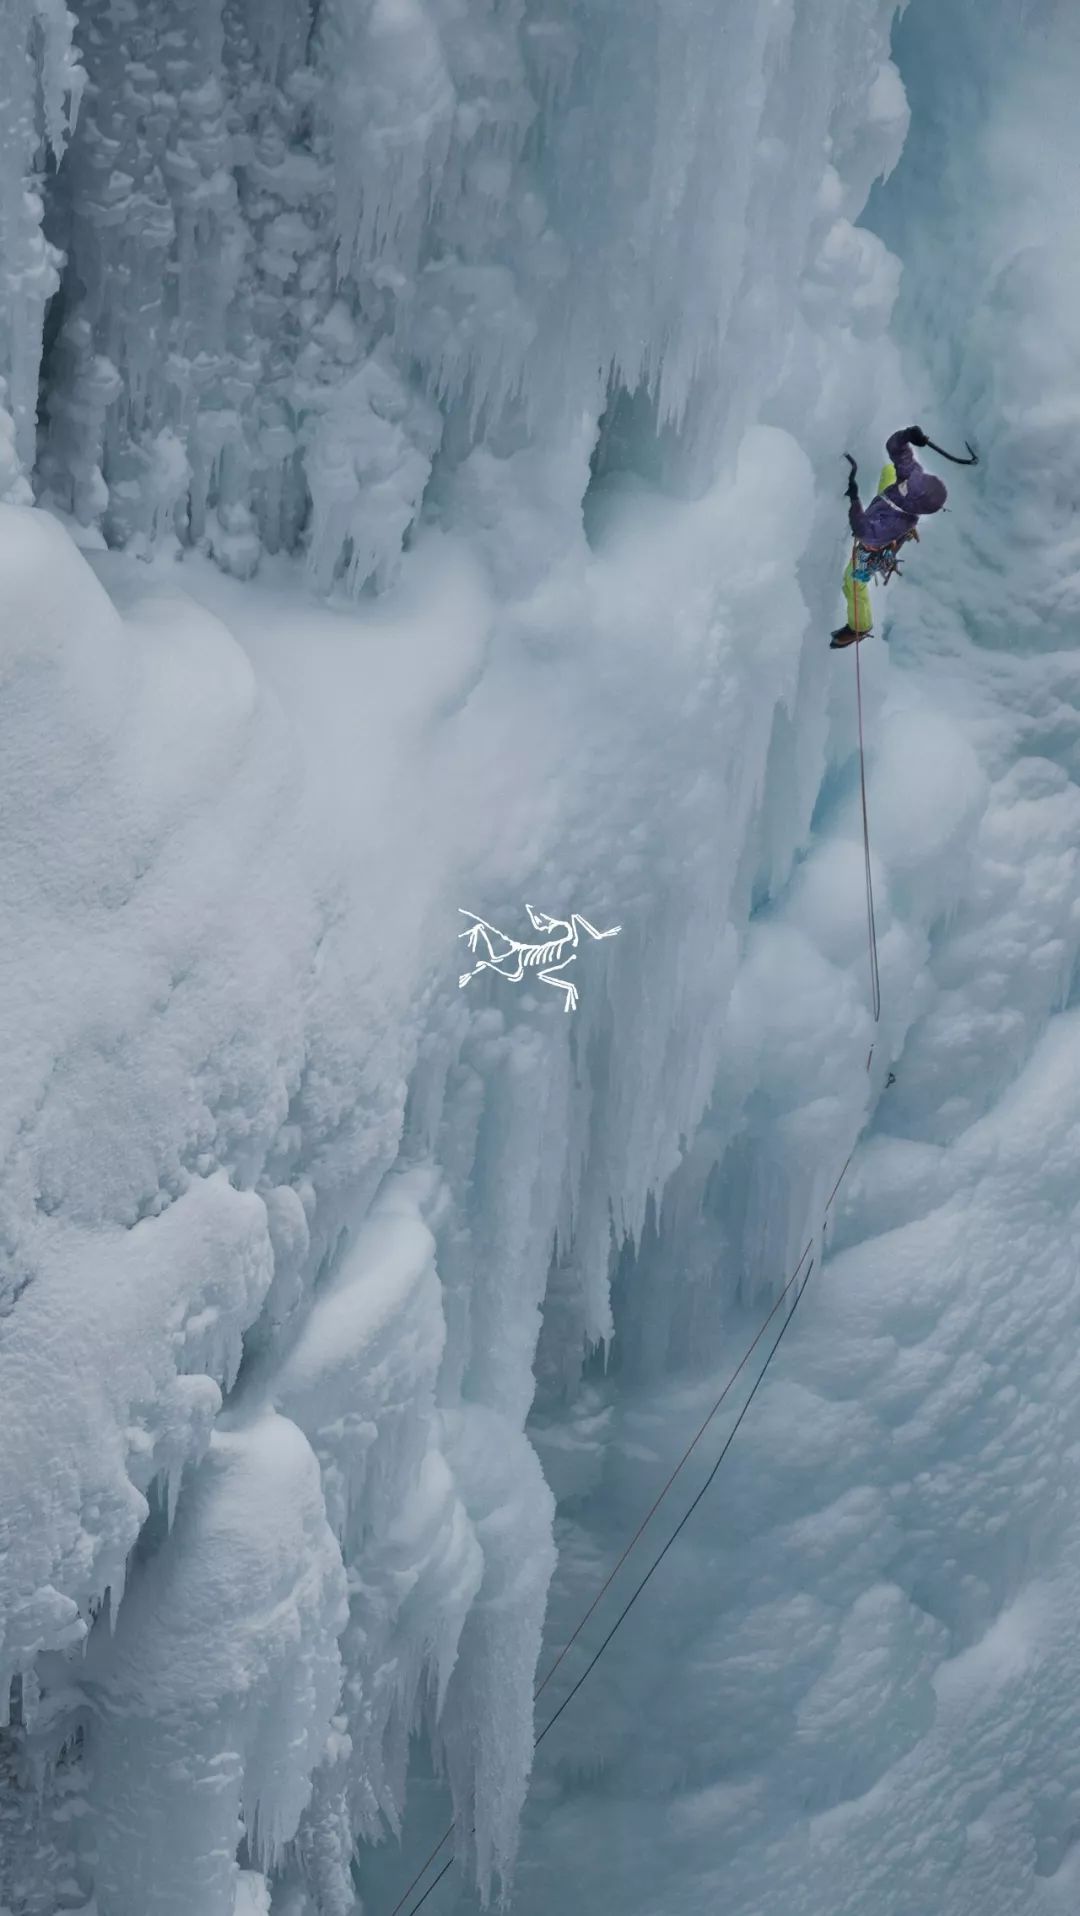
pixel 859 1677
pixel 312 265
pixel 547 319
pixel 41 90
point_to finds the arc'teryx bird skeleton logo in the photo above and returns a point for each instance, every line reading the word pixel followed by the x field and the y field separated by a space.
pixel 545 958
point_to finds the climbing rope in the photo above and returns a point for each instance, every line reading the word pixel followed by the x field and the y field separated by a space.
pixel 793 1281
pixel 972 459
pixel 684 1459
pixel 686 1516
pixel 871 923
pixel 654 1566
pixel 634 1540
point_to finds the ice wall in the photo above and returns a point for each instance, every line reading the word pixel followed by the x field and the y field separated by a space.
pixel 318 263
pixel 559 316
pixel 42 88
pixel 858 1675
pixel 283 1207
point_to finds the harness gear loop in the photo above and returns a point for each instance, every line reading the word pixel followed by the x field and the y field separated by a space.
pixel 881 562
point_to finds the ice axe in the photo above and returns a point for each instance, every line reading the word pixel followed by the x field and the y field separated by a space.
pixel 971 460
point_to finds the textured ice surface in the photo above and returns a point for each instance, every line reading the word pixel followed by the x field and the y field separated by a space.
pixel 316 260
pixel 859 1673
pixel 213 1695
pixel 551 320
pixel 42 88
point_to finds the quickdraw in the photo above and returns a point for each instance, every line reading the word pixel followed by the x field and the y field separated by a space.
pixel 881 562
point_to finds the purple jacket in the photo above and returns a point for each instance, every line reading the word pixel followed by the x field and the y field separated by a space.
pixel 896 510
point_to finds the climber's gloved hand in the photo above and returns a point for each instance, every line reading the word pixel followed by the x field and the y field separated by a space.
pixel 916 436
pixel 851 490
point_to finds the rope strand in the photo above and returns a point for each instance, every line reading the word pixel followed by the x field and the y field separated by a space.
pixel 686 1516
pixel 684 1519
pixel 871 922
pixel 635 1539
pixel 684 1459
pixel 875 995
pixel 657 1560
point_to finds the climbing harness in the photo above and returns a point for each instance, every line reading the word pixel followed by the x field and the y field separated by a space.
pixel 881 562
pixel 802 1271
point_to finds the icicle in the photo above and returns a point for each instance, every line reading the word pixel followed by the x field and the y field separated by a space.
pixel 28 264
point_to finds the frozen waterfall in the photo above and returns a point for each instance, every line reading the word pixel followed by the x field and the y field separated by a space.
pixel 421 493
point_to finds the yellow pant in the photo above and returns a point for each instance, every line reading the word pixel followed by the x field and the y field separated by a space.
pixel 860 612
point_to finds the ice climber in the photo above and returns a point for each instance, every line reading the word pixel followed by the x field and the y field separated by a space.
pixel 906 494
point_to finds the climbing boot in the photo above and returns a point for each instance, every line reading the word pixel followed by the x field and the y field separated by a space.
pixel 845 635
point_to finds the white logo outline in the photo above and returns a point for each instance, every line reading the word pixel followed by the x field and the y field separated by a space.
pixel 547 953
